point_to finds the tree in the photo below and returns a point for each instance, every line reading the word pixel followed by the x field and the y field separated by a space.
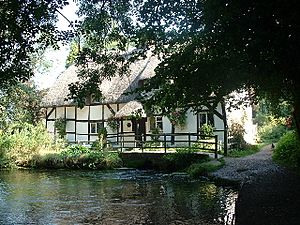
pixel 25 27
pixel 208 48
pixel 219 46
pixel 20 103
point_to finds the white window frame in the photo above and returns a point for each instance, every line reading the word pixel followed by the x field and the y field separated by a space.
pixel 97 127
pixel 206 116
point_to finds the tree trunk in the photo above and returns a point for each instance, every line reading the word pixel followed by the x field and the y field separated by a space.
pixel 173 137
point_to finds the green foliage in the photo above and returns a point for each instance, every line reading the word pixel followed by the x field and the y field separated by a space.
pixel 287 150
pixel 237 131
pixel 155 131
pixel 78 156
pixel 21 142
pixel 75 151
pixel 272 128
pixel 181 159
pixel 207 129
pixel 273 125
pixel 178 118
pixel 113 123
pixel 20 103
pixel 246 150
pixel 102 139
pixel 60 125
pixel 73 54
pixel 203 168
pixel 26 26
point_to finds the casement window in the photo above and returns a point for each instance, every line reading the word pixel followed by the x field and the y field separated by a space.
pixel 159 122
pixel 206 118
pixel 96 127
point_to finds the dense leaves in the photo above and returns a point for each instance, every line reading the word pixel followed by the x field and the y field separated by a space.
pixel 25 25
pixel 20 103
pixel 208 49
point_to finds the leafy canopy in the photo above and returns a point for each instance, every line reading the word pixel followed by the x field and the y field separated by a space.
pixel 25 27
pixel 215 46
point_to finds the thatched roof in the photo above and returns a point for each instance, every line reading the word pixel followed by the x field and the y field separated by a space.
pixel 130 108
pixel 113 90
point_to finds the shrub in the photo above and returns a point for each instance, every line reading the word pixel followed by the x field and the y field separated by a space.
pixel 237 132
pixel 207 129
pixel 75 151
pixel 271 132
pixel 22 141
pixel 202 168
pixel 287 150
pixel 181 159
pixel 60 125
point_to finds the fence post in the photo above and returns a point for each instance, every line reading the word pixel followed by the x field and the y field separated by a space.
pixel 165 142
pixel 142 143
pixel 216 146
pixel 189 139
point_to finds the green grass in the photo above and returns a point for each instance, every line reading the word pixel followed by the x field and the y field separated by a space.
pixel 248 150
pixel 203 168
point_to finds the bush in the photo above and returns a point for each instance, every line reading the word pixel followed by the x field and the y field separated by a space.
pixel 237 132
pixel 287 150
pixel 202 168
pixel 183 158
pixel 22 141
pixel 271 132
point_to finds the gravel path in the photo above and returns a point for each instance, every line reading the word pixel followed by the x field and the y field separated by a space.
pixel 269 194
pixel 247 169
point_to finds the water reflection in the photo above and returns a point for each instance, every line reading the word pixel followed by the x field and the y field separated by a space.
pixel 115 197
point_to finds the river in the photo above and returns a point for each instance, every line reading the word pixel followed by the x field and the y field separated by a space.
pixel 111 197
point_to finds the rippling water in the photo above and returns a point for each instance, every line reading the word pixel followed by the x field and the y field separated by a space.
pixel 113 197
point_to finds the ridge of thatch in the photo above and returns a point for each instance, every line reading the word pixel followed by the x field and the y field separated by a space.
pixel 130 109
pixel 113 89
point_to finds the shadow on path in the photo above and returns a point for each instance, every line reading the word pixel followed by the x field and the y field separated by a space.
pixel 272 197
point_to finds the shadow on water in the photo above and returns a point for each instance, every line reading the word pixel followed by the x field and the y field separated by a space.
pixel 113 197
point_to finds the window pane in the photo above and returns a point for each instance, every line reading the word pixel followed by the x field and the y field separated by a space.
pixel 211 120
pixel 202 118
pixel 93 128
pixel 159 122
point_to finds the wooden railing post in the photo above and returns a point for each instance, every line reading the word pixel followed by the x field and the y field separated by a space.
pixel 165 143
pixel 142 143
pixel 216 146
pixel 189 139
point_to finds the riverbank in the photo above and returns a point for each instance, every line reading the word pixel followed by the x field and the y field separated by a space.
pixel 269 194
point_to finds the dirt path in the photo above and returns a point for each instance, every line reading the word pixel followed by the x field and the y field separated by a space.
pixel 269 194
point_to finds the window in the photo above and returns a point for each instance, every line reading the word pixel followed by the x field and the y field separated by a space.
pixel 95 127
pixel 206 118
pixel 159 122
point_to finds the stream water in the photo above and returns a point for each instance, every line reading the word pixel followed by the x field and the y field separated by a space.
pixel 111 197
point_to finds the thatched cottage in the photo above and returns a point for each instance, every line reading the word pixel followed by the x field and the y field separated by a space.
pixel 83 124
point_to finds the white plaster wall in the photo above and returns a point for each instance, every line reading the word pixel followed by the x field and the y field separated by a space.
pixel 96 112
pixel 81 127
pixel 70 112
pixel 70 126
pixel 107 112
pixel 60 112
pixel 52 115
pixel 167 126
pixel 50 126
pixel 125 128
pixel 82 114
